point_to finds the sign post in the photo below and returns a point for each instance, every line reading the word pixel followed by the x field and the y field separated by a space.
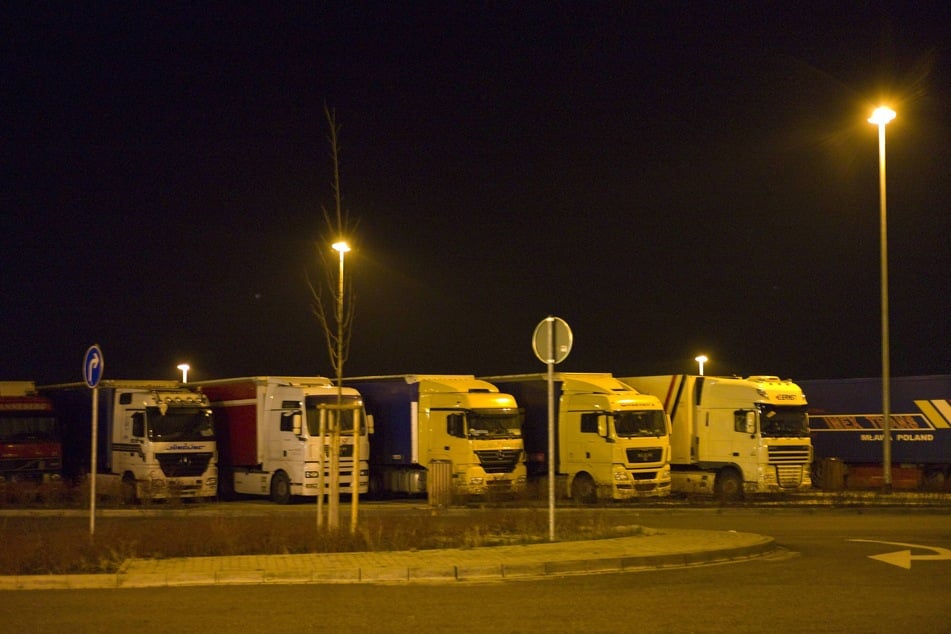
pixel 551 342
pixel 92 373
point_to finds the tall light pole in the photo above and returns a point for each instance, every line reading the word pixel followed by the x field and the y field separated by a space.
pixel 700 361
pixel 880 117
pixel 342 248
pixel 184 367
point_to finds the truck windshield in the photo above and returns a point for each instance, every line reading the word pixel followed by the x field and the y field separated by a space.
pixel 649 422
pixel 777 422
pixel 352 404
pixel 488 423
pixel 15 428
pixel 180 424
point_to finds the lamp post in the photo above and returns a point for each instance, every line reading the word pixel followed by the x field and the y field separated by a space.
pixel 880 117
pixel 700 361
pixel 342 248
pixel 184 367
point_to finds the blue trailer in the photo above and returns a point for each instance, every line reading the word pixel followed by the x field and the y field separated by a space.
pixel 443 435
pixel 846 423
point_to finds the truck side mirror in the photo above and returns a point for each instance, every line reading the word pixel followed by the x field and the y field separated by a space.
pixel 369 423
pixel 751 423
pixel 744 421
pixel 138 425
pixel 455 425
pixel 297 423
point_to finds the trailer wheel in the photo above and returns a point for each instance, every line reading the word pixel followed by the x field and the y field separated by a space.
pixel 583 489
pixel 935 480
pixel 129 493
pixel 280 488
pixel 728 485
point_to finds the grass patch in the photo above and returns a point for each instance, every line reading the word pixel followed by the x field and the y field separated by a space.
pixel 62 545
pixel 56 494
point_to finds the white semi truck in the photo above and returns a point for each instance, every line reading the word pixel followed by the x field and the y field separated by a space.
pixel 731 436
pixel 270 442
pixel 451 432
pixel 611 442
pixel 155 439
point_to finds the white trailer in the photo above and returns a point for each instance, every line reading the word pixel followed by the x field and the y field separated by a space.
pixel 270 435
pixel 731 435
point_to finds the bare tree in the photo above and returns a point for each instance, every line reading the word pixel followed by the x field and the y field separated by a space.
pixel 336 327
pixel 337 331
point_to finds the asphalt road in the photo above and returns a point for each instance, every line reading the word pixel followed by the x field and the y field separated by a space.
pixel 826 582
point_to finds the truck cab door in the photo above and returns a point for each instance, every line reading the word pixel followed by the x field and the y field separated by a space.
pixel 450 441
pixel 581 433
pixel 129 435
pixel 284 416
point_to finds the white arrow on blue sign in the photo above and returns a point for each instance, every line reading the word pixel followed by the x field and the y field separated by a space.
pixel 92 366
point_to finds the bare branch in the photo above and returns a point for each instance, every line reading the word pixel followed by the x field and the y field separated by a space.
pixel 337 328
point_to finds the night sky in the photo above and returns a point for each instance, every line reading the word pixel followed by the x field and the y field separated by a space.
pixel 670 178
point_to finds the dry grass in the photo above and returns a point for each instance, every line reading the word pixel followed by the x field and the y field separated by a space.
pixel 44 544
pixel 47 495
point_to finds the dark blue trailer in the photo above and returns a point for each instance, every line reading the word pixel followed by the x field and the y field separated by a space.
pixel 442 435
pixel 846 423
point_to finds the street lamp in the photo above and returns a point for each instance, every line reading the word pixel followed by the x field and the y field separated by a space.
pixel 700 361
pixel 342 248
pixel 880 117
pixel 184 367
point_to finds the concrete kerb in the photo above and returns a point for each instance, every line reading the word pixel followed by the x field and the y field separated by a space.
pixel 667 549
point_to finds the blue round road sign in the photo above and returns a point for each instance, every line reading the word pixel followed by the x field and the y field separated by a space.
pixel 92 366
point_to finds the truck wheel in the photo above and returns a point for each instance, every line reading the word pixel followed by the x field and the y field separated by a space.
pixel 129 494
pixel 375 487
pixel 729 485
pixel 583 489
pixel 280 488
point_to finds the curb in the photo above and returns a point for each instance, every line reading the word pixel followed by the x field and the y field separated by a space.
pixel 431 573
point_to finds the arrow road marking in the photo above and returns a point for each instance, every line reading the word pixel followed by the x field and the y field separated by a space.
pixel 902 558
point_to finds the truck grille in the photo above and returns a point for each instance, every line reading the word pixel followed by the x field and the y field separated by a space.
pixel 183 465
pixel 637 455
pixel 789 454
pixel 29 468
pixel 789 476
pixel 499 460
pixel 790 461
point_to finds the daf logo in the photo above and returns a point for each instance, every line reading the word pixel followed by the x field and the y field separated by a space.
pixel 184 460
pixel 785 397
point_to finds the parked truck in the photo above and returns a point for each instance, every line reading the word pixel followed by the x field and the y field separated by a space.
pixel 846 419
pixel 611 442
pixel 30 447
pixel 731 435
pixel 155 439
pixel 454 434
pixel 269 434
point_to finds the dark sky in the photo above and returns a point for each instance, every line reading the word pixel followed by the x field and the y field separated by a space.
pixel 670 178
